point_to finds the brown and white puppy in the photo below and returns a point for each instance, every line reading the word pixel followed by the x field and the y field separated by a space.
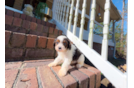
pixel 67 52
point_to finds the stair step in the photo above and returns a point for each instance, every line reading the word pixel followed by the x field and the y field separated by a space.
pixel 22 72
pixel 21 46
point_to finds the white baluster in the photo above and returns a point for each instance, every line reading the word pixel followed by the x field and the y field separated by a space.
pixel 104 49
pixel 76 17
pixel 61 11
pixel 67 12
pixel 82 20
pixel 71 15
pixel 57 11
pixel 92 19
pixel 64 11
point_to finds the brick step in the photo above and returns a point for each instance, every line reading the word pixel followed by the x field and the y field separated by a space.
pixel 22 23
pixel 36 74
pixel 21 46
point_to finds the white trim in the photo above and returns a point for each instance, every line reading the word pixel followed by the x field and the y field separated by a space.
pixel 13 9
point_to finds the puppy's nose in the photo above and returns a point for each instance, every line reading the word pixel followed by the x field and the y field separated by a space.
pixel 59 48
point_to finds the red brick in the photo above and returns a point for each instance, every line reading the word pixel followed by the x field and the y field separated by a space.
pixel 28 18
pixel 8 19
pixel 52 36
pixel 18 39
pixel 51 30
pixel 13 65
pixel 41 42
pixel 35 32
pixel 26 24
pixel 54 26
pixel 39 53
pixel 56 32
pixel 68 81
pixel 43 22
pixel 56 54
pixel 8 52
pixel 82 79
pixel 11 28
pixel 47 24
pixel 13 54
pixel 23 16
pixel 38 21
pixel 50 43
pixel 16 14
pixel 17 53
pixel 45 29
pixel 17 22
pixel 39 28
pixel 22 30
pixel 48 79
pixel 60 32
pixel 36 64
pixel 10 76
pixel 7 37
pixel 33 26
pixel 33 19
pixel 10 12
pixel 28 74
pixel 91 76
pixel 31 41
pixel 97 75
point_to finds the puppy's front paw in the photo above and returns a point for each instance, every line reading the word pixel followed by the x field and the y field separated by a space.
pixel 51 64
pixel 62 72
pixel 78 66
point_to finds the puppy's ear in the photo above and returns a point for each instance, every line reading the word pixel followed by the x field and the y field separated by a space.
pixel 68 43
pixel 54 42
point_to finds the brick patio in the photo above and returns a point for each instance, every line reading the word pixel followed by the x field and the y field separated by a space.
pixel 36 74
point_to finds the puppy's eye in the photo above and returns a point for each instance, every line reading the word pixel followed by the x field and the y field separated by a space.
pixel 57 42
pixel 64 43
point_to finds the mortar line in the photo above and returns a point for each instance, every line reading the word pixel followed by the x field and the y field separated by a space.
pixel 38 79
pixel 57 77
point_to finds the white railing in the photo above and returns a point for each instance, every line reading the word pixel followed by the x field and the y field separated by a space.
pixel 115 76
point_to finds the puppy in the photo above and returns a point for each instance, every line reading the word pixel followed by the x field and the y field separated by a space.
pixel 67 52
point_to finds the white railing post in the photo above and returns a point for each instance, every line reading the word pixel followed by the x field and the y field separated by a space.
pixel 64 11
pixel 82 19
pixel 61 11
pixel 57 10
pixel 92 19
pixel 76 17
pixel 71 15
pixel 67 12
pixel 104 49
